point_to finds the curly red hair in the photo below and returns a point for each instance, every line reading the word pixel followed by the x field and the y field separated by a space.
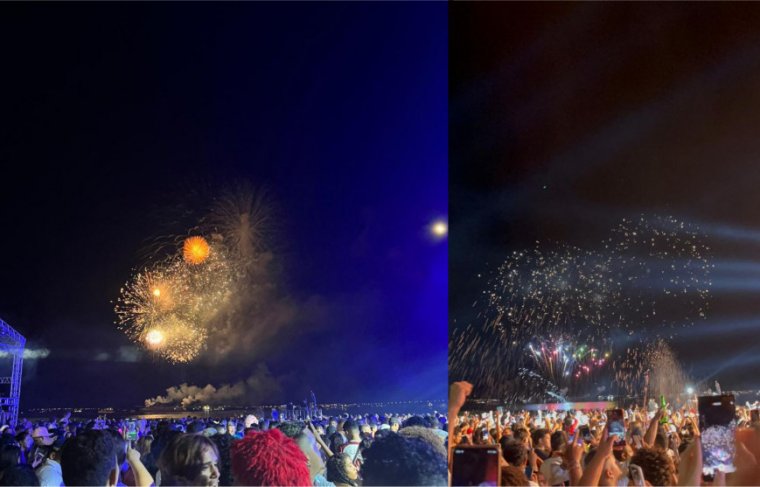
pixel 269 458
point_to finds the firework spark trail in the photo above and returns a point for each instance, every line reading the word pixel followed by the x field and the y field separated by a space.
pixel 650 277
pixel 657 359
pixel 565 363
pixel 242 217
pixel 211 287
pixel 168 306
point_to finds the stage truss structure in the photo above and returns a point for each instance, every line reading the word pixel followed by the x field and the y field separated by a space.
pixel 12 347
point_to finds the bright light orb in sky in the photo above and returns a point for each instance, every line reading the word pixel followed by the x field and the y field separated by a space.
pixel 439 229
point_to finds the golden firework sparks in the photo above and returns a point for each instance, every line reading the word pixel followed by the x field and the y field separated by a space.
pixel 154 338
pixel 169 307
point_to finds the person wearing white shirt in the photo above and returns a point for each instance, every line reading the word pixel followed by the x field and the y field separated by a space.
pixel 49 472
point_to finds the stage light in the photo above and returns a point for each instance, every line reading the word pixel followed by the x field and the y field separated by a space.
pixel 689 390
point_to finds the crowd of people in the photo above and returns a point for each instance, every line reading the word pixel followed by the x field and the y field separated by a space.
pixel 336 451
pixel 548 448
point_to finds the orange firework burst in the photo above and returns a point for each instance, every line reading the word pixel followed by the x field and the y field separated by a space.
pixel 195 250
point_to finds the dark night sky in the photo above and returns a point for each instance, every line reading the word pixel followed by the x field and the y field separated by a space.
pixel 567 117
pixel 110 112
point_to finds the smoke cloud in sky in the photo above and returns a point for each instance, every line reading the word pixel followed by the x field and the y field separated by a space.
pixel 30 353
pixel 260 387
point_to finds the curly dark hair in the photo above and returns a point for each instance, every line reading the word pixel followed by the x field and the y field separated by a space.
pixel 88 458
pixel 382 434
pixel 426 434
pixel 395 460
pixel 292 429
pixel 414 421
pixel 336 469
pixel 656 464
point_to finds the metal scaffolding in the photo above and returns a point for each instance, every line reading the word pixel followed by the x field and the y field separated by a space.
pixel 12 346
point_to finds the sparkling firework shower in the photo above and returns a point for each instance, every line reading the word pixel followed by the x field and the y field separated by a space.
pixel 649 278
pixel 659 362
pixel 565 363
pixel 175 304
pixel 167 308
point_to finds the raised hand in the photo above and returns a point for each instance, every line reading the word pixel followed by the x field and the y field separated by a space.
pixel 133 456
pixel 690 466
pixel 458 394
pixel 574 451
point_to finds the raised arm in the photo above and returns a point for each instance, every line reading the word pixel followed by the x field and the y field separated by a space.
pixel 458 393
pixel 142 476
pixel 593 472
pixel 319 439
pixel 572 456
pixel 651 433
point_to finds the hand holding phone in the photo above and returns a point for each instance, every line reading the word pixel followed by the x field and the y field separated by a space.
pixel 616 426
pixel 636 475
pixel 131 431
pixel 585 433
pixel 717 426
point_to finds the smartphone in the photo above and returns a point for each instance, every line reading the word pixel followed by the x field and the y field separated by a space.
pixel 585 432
pixel 754 415
pixel 616 427
pixel 616 424
pixel 476 465
pixel 39 456
pixel 485 433
pixel 717 425
pixel 636 475
pixel 131 431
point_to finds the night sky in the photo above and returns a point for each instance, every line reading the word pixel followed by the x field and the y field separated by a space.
pixel 566 118
pixel 116 116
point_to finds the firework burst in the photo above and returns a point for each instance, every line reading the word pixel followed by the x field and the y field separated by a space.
pixel 241 218
pixel 184 297
pixel 195 250
pixel 568 365
pixel 649 278
pixel 168 307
